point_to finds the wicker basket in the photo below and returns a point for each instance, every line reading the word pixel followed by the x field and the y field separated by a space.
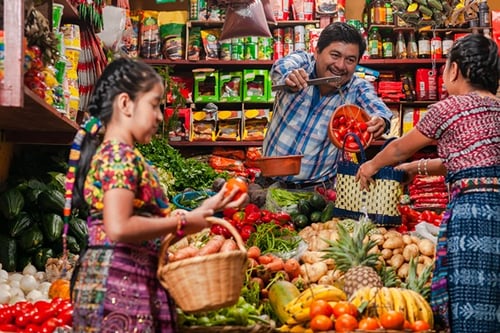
pixel 208 282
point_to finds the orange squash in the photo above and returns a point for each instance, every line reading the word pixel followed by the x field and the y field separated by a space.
pixel 59 288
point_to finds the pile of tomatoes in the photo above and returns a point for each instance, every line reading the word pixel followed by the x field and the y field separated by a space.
pixel 40 316
pixel 343 317
pixel 341 125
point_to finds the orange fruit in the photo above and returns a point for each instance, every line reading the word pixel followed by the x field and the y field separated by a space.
pixel 346 323
pixel 420 325
pixel 344 307
pixel 369 324
pixel 392 320
pixel 321 323
pixel 238 183
pixel 320 306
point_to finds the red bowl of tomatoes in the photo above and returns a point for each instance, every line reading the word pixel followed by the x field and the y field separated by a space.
pixel 349 118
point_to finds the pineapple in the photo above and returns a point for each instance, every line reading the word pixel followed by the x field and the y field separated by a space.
pixel 352 256
pixel 418 282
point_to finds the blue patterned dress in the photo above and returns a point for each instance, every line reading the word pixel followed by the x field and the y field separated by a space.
pixel 115 285
pixel 466 281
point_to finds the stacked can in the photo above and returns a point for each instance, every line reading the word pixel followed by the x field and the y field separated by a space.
pixel 251 48
pixel 237 49
pixel 299 37
pixel 265 46
pixel 72 46
pixel 278 48
pixel 225 49
pixel 288 41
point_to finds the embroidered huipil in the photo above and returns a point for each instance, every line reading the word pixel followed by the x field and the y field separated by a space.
pixel 299 124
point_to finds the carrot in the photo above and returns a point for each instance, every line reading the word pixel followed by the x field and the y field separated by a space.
pixel 253 252
pixel 265 259
pixel 292 267
pixel 186 252
pixel 212 246
pixel 275 265
pixel 228 245
pixel 252 263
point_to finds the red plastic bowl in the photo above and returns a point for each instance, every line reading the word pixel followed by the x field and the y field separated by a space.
pixel 345 119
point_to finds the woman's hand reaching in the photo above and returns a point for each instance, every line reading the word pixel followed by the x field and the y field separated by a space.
pixel 364 175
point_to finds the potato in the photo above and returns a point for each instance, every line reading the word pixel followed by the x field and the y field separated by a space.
pixel 399 250
pixel 407 239
pixel 425 260
pixel 313 272
pixel 393 242
pixel 403 270
pixel 427 247
pixel 396 261
pixel 386 253
pixel 392 233
pixel 410 251
pixel 378 238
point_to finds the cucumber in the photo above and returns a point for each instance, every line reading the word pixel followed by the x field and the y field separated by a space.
pixel 327 213
pixel 281 293
pixel 8 253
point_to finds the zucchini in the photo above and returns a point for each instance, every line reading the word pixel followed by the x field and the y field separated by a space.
pixel 40 257
pixel 52 226
pixel 8 253
pixel 281 293
pixel 327 213
pixel 317 201
pixel 31 239
pixel 11 203
pixel 78 229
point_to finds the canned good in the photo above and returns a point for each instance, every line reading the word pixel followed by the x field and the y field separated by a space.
pixel 299 34
pixel 278 50
pixel 265 48
pixel 288 37
pixel 251 51
pixel 225 49
pixel 279 34
pixel 71 34
pixel 288 48
pixel 299 47
pixel 237 49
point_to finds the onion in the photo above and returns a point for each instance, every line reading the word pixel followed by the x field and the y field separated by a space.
pixel 4 276
pixel 44 287
pixel 40 276
pixel 4 296
pixel 5 286
pixel 29 269
pixel 15 277
pixel 14 284
pixel 16 292
pixel 34 295
pixel 17 299
pixel 28 283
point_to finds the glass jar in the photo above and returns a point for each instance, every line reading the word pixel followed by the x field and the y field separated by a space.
pixel 424 46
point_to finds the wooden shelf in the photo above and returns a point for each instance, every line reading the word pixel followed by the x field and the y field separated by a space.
pixel 278 24
pixel 36 122
pixel 70 13
pixel 209 63
pixel 215 143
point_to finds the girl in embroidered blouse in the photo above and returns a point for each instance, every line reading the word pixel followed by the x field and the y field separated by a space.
pixel 115 286
pixel 466 127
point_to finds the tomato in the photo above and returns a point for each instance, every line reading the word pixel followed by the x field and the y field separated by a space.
pixel 362 126
pixel 420 325
pixel 321 323
pixel 66 317
pixel 392 320
pixel 237 183
pixel 23 319
pixel 369 324
pixel 344 307
pixel 32 328
pixel 320 306
pixel 342 120
pixel 8 328
pixel 407 325
pixel 246 231
pixel 6 315
pixel 50 325
pixel 346 323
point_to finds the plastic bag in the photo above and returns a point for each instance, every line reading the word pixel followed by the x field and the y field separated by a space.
pixel 427 230
pixel 244 20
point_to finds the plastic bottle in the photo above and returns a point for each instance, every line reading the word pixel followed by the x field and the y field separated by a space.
pixel 375 44
pixel 366 54
pixel 401 46
pixel 378 12
pixel 412 49
pixel 484 14
pixel 424 46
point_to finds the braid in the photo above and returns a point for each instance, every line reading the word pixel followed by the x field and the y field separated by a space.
pixel 477 58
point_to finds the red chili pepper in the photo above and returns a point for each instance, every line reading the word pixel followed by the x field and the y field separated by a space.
pixel 266 216
pixel 252 217
pixel 246 231
pixel 282 217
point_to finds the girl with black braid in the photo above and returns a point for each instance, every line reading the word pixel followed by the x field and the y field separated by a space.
pixel 115 288
pixel 465 293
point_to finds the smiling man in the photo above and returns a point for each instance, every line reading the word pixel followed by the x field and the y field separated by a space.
pixel 299 125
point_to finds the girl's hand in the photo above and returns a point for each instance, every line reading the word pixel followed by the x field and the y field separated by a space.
pixel 364 175
pixel 222 200
pixel 410 171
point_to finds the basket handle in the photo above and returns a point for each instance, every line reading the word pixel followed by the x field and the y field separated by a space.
pixel 212 220
pixel 360 145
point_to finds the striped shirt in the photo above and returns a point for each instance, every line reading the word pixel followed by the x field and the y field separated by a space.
pixel 299 123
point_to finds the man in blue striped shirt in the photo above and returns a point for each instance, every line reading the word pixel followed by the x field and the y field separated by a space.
pixel 299 125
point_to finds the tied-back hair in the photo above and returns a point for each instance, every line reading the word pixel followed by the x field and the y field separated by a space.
pixel 341 32
pixel 123 75
pixel 477 59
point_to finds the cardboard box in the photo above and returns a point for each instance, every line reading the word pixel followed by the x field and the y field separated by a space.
pixel 231 86
pixel 203 126
pixel 255 85
pixel 229 124
pixel 411 116
pixel 255 124
pixel 206 86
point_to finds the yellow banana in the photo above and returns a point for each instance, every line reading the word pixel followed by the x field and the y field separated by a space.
pixel 323 292
pixel 398 300
pixel 360 296
pixel 428 316
pixel 411 306
pixel 299 317
pixel 284 328
pixel 297 329
pixel 384 301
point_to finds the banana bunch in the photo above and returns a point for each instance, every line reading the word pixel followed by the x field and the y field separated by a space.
pixel 380 300
pixel 462 12
pixel 422 12
pixel 299 308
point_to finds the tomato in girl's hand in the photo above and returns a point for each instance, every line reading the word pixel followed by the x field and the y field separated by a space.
pixel 238 183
